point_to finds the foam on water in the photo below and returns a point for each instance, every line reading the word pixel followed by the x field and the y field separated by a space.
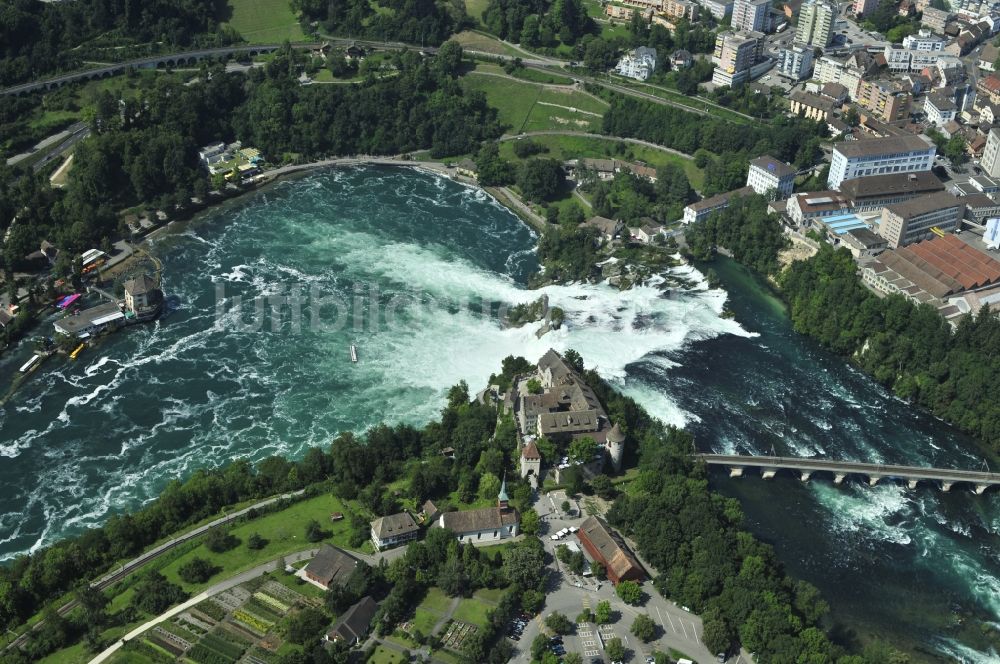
pixel 155 402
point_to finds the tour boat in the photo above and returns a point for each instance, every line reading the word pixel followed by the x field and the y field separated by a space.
pixel 354 353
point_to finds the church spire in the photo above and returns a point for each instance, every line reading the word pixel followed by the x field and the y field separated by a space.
pixel 502 499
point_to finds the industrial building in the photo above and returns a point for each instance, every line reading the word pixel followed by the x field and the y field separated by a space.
pixel 880 156
pixel 877 191
pixel 943 272
pixel 921 218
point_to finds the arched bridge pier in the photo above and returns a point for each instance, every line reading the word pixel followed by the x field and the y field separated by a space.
pixel 769 466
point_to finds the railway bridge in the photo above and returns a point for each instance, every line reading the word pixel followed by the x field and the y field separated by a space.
pixel 873 472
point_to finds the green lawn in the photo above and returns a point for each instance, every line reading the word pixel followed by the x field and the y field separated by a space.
pixel 265 21
pixel 539 76
pixel 475 8
pixel 284 532
pixel 491 595
pixel 383 655
pixel 436 601
pixel 472 611
pixel 425 621
pixel 517 104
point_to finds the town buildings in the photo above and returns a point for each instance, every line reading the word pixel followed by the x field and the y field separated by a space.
pixel 795 61
pixel 393 530
pixel 771 177
pixel 750 15
pixel 607 547
pixel 864 7
pixel 940 107
pixel 811 106
pixel 702 209
pixel 736 54
pixel 990 161
pixel 638 64
pixel 804 208
pixel 873 193
pixel 878 156
pixel 918 218
pixel 815 26
pixel 924 40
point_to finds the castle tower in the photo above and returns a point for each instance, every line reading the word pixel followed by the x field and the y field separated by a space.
pixel 531 460
pixel 616 447
pixel 502 499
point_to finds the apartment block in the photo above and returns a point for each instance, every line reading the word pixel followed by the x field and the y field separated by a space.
pixel 770 176
pixel 750 15
pixel 735 54
pixel 815 26
pixel 719 9
pixel 679 9
pixel 935 19
pixel 990 161
pixel 883 101
pixel 795 61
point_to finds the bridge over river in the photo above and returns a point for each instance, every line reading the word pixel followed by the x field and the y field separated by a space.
pixel 770 465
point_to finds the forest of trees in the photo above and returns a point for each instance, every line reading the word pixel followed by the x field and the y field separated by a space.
pixel 908 348
pixel 746 229
pixel 423 22
pixel 38 38
pixel 538 23
pixel 793 140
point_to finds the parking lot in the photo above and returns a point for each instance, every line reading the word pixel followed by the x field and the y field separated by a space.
pixel 570 595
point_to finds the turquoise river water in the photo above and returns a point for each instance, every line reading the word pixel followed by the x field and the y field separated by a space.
pixel 411 268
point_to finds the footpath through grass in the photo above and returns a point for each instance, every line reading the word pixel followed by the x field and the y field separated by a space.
pixel 265 21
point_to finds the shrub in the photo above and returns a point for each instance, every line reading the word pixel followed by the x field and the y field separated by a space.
pixel 197 570
pixel 219 540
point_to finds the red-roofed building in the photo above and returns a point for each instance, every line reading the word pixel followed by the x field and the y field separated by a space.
pixel 945 272
pixel 607 547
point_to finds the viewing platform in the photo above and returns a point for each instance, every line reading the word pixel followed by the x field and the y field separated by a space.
pixel 912 475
